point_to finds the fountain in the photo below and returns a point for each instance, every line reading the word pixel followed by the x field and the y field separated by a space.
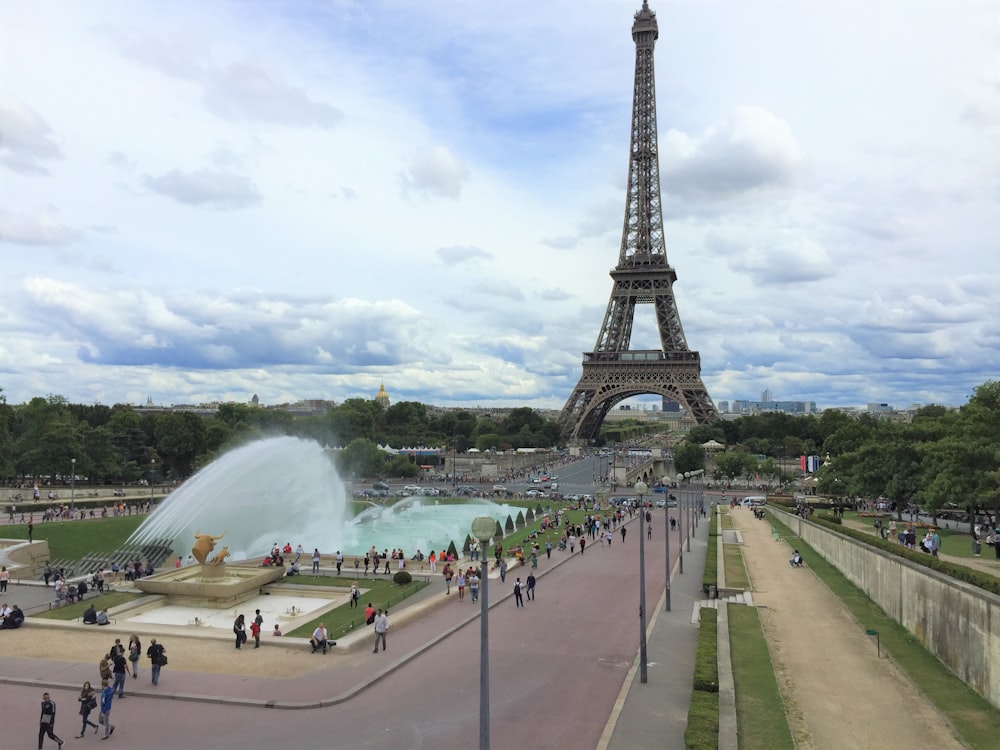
pixel 286 489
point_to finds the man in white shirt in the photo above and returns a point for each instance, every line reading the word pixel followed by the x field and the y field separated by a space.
pixel 381 627
pixel 318 639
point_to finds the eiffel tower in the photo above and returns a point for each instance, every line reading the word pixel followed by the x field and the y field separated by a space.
pixel 613 372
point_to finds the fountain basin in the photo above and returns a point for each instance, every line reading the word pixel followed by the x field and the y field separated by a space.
pixel 215 586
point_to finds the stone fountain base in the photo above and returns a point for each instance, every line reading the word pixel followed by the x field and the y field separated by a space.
pixel 219 586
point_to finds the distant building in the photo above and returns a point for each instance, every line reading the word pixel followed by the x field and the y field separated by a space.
pixel 762 407
pixel 382 398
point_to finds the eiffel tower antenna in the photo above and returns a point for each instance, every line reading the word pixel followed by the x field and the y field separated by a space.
pixel 613 372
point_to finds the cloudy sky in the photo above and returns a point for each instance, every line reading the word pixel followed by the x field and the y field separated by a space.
pixel 207 200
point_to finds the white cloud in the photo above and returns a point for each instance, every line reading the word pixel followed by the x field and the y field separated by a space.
pixel 435 172
pixel 220 188
pixel 40 228
pixel 25 139
pixel 751 150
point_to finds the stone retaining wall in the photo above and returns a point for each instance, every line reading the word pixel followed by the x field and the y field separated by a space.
pixel 957 622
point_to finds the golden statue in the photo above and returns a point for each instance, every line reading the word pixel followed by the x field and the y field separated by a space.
pixel 220 557
pixel 204 544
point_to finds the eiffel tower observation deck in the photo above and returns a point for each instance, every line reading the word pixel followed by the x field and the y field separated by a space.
pixel 613 371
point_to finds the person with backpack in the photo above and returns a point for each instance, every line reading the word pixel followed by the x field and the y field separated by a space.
pixel 157 657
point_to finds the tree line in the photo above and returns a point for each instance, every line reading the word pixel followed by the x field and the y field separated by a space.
pixel 50 438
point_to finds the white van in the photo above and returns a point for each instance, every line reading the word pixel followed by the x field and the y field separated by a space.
pixel 754 500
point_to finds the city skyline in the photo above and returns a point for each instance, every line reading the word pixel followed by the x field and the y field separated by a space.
pixel 304 200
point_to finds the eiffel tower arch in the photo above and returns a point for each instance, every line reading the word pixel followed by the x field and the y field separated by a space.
pixel 613 372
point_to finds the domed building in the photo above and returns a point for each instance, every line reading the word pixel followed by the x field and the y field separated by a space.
pixel 382 398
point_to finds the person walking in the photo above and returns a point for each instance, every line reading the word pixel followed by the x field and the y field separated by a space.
pixel 134 652
pixel 503 571
pixel 531 586
pixel 157 657
pixel 88 702
pixel 623 533
pixel 474 586
pixel 120 670
pixel 461 586
pixel 381 628
pixel 107 697
pixel 518 599
pixel 316 561
pixel 4 579
pixel 355 594
pixel 47 721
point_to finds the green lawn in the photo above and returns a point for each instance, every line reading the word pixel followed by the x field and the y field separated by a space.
pixel 383 594
pixel 71 540
pixel 736 569
pixel 760 710
pixel 75 610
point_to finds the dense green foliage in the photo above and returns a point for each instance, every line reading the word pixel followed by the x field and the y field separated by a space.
pixel 120 445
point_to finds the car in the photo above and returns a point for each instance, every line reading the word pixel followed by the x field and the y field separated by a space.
pixel 380 486
pixel 534 493
pixel 412 489
pixel 499 488
pixel 661 502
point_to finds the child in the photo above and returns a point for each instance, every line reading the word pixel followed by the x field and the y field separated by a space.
pixel 277 630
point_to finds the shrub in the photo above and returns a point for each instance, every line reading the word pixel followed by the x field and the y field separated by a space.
pixel 402 578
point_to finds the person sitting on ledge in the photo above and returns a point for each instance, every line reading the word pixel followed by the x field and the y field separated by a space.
pixel 293 569
pixel 796 561
pixel 102 617
pixel 13 620
pixel 90 615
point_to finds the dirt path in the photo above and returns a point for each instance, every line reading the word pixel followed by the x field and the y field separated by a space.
pixel 838 694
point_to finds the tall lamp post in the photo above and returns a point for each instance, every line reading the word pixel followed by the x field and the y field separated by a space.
pixel 152 478
pixel 72 486
pixel 666 537
pixel 681 478
pixel 640 489
pixel 483 528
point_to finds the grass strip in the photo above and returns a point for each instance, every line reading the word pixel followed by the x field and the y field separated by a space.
pixel 760 710
pixel 974 718
pixel 344 619
pixel 736 569
pixel 710 576
pixel 75 611
pixel 702 732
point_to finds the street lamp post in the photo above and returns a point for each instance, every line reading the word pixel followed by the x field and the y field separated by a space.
pixel 152 478
pixel 666 537
pixel 483 528
pixel 72 486
pixel 680 521
pixel 640 489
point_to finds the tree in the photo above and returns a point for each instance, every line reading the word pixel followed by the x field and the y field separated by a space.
pixel 689 457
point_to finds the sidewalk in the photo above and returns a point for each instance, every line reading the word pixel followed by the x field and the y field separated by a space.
pixel 655 714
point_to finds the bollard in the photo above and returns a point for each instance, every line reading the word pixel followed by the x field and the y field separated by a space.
pixel 878 647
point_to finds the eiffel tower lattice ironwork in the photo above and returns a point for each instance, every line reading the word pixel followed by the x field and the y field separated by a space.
pixel 613 372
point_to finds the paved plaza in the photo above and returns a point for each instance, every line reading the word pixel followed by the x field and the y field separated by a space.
pixel 563 671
